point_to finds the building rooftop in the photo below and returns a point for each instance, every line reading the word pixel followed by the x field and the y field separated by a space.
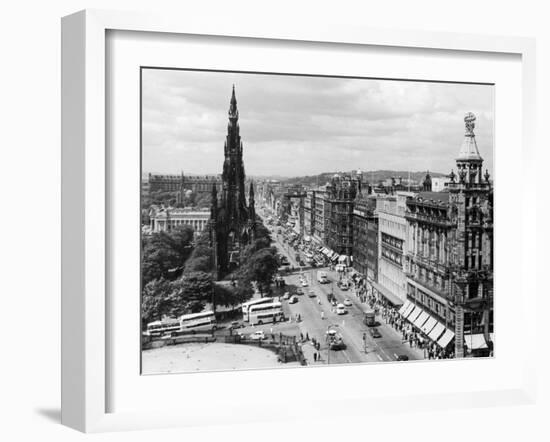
pixel 435 197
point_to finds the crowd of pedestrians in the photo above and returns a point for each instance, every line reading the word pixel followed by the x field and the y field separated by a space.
pixel 409 333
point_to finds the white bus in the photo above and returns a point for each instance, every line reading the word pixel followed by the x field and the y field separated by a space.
pixel 246 305
pixel 264 313
pixel 159 328
pixel 204 321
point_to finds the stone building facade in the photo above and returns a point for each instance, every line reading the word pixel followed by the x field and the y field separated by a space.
pixel 392 241
pixel 163 219
pixel 450 261
pixel 341 194
pixel 182 183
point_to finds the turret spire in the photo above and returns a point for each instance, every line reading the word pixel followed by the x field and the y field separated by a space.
pixel 233 112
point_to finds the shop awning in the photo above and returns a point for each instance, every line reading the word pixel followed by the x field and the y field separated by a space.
pixel 428 325
pixel 414 313
pixel 404 307
pixel 408 310
pixel 436 331
pixel 475 342
pixel 446 338
pixel 393 299
pixel 422 318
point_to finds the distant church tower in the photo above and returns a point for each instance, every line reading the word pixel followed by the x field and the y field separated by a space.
pixel 427 183
pixel 233 222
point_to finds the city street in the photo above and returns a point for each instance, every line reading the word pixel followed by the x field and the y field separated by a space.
pixel 317 315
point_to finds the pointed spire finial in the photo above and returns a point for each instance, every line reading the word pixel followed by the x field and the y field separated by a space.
pixel 233 112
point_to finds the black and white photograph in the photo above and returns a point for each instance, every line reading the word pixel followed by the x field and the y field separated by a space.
pixel 298 221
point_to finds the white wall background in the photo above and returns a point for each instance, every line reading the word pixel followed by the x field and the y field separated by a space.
pixel 30 222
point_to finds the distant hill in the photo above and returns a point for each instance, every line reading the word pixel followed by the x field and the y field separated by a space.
pixel 373 176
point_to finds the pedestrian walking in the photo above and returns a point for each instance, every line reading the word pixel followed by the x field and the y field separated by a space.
pixel 314 357
pixel 301 336
pixel 307 336
pixel 322 315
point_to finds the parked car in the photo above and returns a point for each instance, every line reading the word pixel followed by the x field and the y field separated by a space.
pixel 340 309
pixel 304 283
pixel 299 291
pixel 311 294
pixel 347 302
pixel 235 324
pixel 374 332
pixel 402 358
pixel 286 296
pixel 257 335
pixel 293 299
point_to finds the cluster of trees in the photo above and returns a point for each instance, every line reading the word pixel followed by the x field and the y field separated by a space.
pixel 178 273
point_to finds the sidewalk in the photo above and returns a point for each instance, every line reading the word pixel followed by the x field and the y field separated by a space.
pixel 308 350
pixel 419 352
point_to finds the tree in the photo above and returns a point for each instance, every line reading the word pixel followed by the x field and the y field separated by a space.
pixel 228 294
pixel 255 246
pixel 156 301
pixel 262 232
pixel 192 291
pixel 164 253
pixel 261 268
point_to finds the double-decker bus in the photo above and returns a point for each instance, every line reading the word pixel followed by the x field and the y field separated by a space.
pixel 264 313
pixel 246 305
pixel 160 328
pixel 195 322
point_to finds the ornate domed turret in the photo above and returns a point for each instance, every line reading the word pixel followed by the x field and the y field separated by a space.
pixel 469 161
pixel 468 150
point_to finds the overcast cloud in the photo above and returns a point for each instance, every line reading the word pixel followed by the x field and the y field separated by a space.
pixel 294 126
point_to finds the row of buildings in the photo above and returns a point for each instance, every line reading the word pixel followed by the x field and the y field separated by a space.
pixel 430 244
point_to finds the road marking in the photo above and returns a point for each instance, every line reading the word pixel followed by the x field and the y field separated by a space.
pixel 378 356
pixel 347 357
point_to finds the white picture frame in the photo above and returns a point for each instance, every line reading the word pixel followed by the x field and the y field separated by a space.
pixel 85 201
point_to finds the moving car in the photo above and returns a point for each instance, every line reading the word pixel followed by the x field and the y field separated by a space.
pixel 344 285
pixel 257 335
pixel 340 309
pixel 347 302
pixel 286 296
pixel 374 332
pixel 335 340
pixel 293 299
pixel 311 294
pixel 402 358
pixel 299 291
pixel 304 283
pixel 322 277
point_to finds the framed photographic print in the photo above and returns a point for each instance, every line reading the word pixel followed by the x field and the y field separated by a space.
pixel 275 210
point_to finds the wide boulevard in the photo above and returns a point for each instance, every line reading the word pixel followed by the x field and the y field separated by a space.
pixel 317 315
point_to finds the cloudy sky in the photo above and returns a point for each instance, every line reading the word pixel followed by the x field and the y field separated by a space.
pixel 307 125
